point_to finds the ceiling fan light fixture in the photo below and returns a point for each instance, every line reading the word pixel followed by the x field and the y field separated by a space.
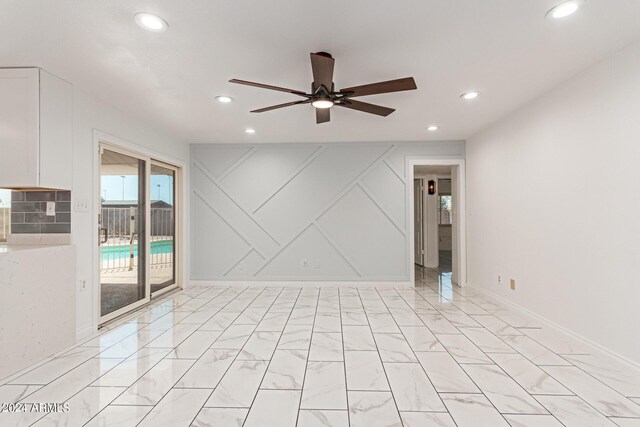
pixel 564 9
pixel 322 103
pixel 250 131
pixel 151 22
pixel 433 128
pixel 224 99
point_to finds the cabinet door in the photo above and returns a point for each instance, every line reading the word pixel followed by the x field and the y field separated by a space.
pixel 19 118
pixel 56 133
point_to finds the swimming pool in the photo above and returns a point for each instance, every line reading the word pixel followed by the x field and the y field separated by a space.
pixel 122 251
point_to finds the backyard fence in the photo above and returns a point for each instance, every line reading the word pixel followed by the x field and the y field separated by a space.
pixel 119 238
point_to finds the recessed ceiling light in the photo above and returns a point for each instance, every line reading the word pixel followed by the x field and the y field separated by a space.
pixel 433 128
pixel 322 103
pixel 470 95
pixel 564 9
pixel 249 130
pixel 224 99
pixel 151 22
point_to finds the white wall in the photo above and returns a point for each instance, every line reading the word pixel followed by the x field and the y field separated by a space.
pixel 91 114
pixel 259 212
pixel 542 210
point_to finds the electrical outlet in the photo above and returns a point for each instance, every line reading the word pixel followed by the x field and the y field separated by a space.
pixel 241 266
pixel 82 283
pixel 499 280
pixel 304 263
pixel 51 208
pixel 513 284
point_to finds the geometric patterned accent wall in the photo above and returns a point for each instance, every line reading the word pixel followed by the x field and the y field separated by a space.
pixel 318 212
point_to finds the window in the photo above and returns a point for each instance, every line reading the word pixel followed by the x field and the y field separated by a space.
pixel 444 209
pixel 5 214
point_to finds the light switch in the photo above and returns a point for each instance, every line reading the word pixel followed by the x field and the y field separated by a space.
pixel 82 206
pixel 51 208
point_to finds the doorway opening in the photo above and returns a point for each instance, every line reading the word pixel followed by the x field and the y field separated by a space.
pixel 137 220
pixel 437 244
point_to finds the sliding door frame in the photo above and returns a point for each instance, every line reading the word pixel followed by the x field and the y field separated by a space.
pixel 177 241
pixel 147 233
pixel 111 142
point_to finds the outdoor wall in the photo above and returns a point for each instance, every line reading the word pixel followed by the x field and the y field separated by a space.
pixel 315 212
pixel 541 207
pixel 90 114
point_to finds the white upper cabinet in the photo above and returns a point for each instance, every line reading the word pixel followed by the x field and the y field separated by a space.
pixel 36 117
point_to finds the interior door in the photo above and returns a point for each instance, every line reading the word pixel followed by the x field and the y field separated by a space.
pixel 123 234
pixel 163 249
pixel 418 221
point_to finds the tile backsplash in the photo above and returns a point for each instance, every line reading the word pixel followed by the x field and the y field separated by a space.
pixel 29 212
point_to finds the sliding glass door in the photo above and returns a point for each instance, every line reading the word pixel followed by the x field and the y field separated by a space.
pixel 162 228
pixel 123 233
pixel 137 230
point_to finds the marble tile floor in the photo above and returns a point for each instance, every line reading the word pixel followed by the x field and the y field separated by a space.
pixel 434 355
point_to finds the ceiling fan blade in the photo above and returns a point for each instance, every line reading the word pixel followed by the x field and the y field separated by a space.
pixel 263 86
pixel 275 107
pixel 366 107
pixel 323 115
pixel 322 66
pixel 397 85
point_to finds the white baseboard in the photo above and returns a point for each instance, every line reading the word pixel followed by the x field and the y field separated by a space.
pixel 84 332
pixel 595 345
pixel 296 284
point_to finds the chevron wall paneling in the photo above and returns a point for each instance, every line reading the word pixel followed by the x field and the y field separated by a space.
pixel 296 212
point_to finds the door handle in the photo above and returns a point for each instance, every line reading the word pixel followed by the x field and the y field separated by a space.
pixel 104 230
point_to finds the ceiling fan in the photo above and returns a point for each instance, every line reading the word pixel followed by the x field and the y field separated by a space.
pixel 323 96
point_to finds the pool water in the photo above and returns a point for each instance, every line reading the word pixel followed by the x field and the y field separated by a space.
pixel 122 251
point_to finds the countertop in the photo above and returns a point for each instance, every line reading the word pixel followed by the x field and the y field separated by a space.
pixel 5 248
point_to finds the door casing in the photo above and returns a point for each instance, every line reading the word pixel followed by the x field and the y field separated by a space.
pixel 459 212
pixel 418 232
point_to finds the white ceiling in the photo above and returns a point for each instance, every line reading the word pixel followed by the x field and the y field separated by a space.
pixel 504 48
